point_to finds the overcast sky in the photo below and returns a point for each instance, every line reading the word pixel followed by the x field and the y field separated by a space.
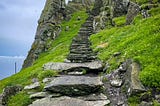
pixel 18 23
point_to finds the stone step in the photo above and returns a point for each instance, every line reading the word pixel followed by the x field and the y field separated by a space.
pixel 95 65
pixel 71 101
pixel 88 25
pixel 79 49
pixel 81 41
pixel 74 85
pixel 85 29
pixel 91 55
pixel 84 33
pixel 83 44
pixel 82 58
pixel 80 52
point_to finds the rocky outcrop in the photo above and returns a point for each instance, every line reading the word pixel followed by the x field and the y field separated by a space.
pixel 132 81
pixel 106 10
pixel 48 28
pixel 95 66
pixel 7 93
pixel 122 83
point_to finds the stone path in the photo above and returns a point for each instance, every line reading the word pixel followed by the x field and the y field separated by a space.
pixel 75 88
pixel 80 50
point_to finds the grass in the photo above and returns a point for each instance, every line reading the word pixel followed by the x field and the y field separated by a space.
pixel 18 98
pixel 56 53
pixel 139 41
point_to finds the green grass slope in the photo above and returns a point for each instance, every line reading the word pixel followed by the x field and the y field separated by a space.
pixel 56 53
pixel 139 41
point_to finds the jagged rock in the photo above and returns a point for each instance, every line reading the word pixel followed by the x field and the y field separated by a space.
pixel 74 85
pixel 34 80
pixel 67 28
pixel 68 101
pixel 8 92
pixel 145 13
pixel 116 82
pixel 157 97
pixel 120 7
pixel 133 83
pixel 143 103
pixel 95 65
pixel 39 95
pixel 46 80
pixel 1 97
pixel 35 85
pixel 133 10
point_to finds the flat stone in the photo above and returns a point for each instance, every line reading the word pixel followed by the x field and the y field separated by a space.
pixel 39 95
pixel 68 101
pixel 32 86
pixel 116 82
pixel 95 65
pixel 46 80
pixel 74 85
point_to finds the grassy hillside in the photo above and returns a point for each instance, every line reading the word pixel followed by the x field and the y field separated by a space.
pixel 139 41
pixel 56 53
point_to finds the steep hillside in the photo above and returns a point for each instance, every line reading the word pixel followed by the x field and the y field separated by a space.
pixel 115 42
pixel 139 41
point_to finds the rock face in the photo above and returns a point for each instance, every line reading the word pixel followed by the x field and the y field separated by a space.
pixel 133 10
pixel 120 7
pixel 106 10
pixel 68 101
pixel 7 93
pixel 74 85
pixel 95 65
pixel 49 25
pixel 123 82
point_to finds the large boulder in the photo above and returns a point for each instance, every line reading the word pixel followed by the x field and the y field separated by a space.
pixel 68 101
pixel 95 65
pixel 74 85
pixel 133 11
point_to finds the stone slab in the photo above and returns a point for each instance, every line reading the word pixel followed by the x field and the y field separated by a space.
pixel 95 65
pixel 74 85
pixel 68 101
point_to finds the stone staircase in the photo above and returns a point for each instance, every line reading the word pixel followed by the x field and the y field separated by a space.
pixel 80 50
pixel 74 87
